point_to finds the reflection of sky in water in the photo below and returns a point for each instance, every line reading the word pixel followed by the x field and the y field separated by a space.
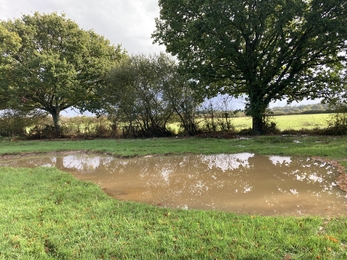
pixel 227 162
pixel 280 160
pixel 81 162
pixel 315 178
pixel 220 181
pixel 165 173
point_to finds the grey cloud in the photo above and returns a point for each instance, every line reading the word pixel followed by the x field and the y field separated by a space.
pixel 129 23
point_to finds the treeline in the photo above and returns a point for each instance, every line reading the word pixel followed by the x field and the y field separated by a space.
pixel 48 64
pixel 207 122
pixel 302 109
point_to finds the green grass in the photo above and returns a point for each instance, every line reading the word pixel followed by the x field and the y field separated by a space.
pixel 288 122
pixel 304 121
pixel 325 146
pixel 48 214
pixel 85 125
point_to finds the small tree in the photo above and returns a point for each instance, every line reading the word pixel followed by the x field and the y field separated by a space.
pixel 58 65
pixel 136 94
pixel 146 91
pixel 184 102
pixel 338 121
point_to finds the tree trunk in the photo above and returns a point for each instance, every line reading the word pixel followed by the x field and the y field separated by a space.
pixel 258 125
pixel 187 120
pixel 256 109
pixel 56 121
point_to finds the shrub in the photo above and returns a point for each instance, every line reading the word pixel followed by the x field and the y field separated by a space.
pixel 15 123
pixel 337 125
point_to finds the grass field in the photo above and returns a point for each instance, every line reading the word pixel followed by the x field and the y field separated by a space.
pixel 288 122
pixel 48 214
pixel 304 121
pixel 283 122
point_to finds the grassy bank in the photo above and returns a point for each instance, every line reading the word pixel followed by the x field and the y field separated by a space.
pixel 333 148
pixel 48 214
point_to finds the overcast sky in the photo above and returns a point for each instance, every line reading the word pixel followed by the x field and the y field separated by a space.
pixel 126 22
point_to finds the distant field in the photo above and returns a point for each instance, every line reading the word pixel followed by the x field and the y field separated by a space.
pixel 85 125
pixel 288 122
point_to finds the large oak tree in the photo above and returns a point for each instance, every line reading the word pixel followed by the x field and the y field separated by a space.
pixel 58 64
pixel 267 50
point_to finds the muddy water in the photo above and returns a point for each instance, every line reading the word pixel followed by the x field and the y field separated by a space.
pixel 241 183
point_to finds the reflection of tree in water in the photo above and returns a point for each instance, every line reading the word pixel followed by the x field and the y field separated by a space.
pixel 235 166
pixel 177 177
pixel 310 173
pixel 209 179
pixel 83 163
pixel 29 161
pixel 197 174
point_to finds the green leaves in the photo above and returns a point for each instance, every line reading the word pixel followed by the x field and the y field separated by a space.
pixel 58 65
pixel 9 43
pixel 267 50
pixel 138 93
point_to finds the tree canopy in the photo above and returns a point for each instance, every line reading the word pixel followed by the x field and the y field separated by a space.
pixel 9 43
pixel 58 65
pixel 268 50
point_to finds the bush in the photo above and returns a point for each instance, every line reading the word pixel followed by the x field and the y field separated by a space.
pixel 338 122
pixel 15 123
pixel 42 131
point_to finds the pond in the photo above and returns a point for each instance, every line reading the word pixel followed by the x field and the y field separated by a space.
pixel 240 183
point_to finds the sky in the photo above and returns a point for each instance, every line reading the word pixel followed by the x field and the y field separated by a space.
pixel 126 22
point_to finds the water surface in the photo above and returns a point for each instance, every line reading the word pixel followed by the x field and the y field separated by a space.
pixel 240 183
